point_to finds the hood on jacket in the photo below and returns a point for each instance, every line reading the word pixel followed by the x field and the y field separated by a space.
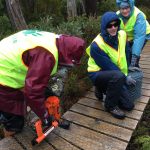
pixel 120 4
pixel 107 18
pixel 70 50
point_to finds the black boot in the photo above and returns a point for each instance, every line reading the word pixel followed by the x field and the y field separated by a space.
pixel 98 94
pixel 116 112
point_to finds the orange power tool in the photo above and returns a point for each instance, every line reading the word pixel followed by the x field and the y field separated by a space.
pixel 52 105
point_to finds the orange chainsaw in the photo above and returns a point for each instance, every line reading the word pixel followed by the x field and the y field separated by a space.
pixel 52 105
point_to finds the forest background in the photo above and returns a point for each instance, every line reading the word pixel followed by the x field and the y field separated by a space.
pixel 74 17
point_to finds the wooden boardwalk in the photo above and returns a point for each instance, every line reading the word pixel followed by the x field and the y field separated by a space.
pixel 92 128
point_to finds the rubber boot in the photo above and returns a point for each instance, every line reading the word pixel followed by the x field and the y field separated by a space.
pixel 98 94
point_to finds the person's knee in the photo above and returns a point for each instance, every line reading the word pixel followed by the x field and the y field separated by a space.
pixel 118 76
pixel 14 123
pixel 127 106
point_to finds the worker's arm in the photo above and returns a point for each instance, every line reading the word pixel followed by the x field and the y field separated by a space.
pixel 139 35
pixel 40 63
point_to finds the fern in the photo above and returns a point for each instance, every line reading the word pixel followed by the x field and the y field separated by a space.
pixel 144 141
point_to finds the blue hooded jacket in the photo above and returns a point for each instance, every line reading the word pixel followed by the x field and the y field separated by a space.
pixel 140 36
pixel 100 57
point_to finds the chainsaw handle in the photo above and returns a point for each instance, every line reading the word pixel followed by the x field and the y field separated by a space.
pixel 38 127
pixel 40 134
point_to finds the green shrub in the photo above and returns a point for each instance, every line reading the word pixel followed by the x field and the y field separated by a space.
pixel 81 26
pixel 71 27
pixel 45 24
pixel 106 5
pixel 5 26
pixel 91 28
pixel 63 9
pixel 144 141
pixel 142 3
pixel 42 8
pixel 71 87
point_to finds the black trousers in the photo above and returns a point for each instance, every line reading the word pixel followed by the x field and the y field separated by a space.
pixel 11 122
pixel 112 83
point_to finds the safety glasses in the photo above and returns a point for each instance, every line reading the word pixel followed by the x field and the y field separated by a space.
pixel 109 26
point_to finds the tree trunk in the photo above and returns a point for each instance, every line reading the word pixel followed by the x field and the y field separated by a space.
pixel 15 14
pixel 90 7
pixel 71 8
pixel 80 7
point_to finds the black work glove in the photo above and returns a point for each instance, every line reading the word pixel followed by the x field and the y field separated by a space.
pixel 65 124
pixel 48 121
pixel 132 69
pixel 130 81
pixel 134 66
pixel 134 60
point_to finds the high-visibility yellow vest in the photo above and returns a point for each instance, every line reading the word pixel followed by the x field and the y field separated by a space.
pixel 12 69
pixel 129 26
pixel 118 57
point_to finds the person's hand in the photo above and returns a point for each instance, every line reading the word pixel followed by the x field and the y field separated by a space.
pixel 130 81
pixel 135 61
pixel 132 69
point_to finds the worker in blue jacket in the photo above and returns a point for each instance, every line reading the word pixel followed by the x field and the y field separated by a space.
pixel 107 66
pixel 134 22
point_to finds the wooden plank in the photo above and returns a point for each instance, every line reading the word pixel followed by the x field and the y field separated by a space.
pixel 134 114
pixel 146 70
pixel 90 94
pixel 10 144
pixel 90 140
pixel 99 126
pixel 146 86
pixel 146 80
pixel 144 61
pixel 104 116
pixel 143 99
pixel 146 75
pixel 140 106
pixel 26 136
pixel 52 141
pixel 146 92
pixel 145 56
pixel 146 66
pixel 59 143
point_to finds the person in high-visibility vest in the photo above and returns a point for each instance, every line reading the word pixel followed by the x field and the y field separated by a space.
pixel 134 22
pixel 107 66
pixel 27 61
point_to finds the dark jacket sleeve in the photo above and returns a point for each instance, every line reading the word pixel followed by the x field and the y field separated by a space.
pixel 40 63
pixel 101 58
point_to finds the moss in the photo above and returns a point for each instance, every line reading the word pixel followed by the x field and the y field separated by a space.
pixel 141 137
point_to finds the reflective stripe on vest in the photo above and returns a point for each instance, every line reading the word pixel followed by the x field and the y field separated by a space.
pixel 129 26
pixel 12 69
pixel 118 57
